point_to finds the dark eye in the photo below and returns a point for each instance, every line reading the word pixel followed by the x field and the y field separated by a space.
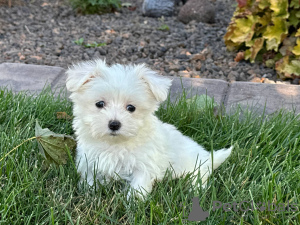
pixel 130 108
pixel 100 104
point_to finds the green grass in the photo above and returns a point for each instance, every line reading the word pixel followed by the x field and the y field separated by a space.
pixel 264 166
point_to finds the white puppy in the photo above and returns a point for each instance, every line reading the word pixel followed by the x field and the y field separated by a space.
pixel 117 132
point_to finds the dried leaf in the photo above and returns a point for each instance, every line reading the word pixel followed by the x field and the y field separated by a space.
pixel 53 146
pixel 242 3
pixel 63 115
pixel 256 47
pixel 240 56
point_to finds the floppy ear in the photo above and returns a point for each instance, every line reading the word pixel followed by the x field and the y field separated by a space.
pixel 82 73
pixel 158 84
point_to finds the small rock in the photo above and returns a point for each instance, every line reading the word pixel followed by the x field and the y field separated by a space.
pixel 232 76
pixel 196 57
pixel 232 64
pixel 241 77
pixel 198 66
pixel 158 8
pixel 126 35
pixel 102 51
pixel 296 81
pixel 198 10
pixel 182 56
pixel 57 52
pixel 251 72
pixel 174 67
pixel 181 68
pixel 96 55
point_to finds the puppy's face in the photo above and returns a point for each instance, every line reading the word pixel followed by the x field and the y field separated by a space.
pixel 114 102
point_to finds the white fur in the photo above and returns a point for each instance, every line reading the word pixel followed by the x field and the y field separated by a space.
pixel 144 147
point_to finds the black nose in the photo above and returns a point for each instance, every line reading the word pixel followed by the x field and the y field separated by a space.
pixel 114 125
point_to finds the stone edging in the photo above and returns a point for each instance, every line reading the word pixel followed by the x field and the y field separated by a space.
pixel 258 96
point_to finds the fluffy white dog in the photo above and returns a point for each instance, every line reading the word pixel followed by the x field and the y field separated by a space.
pixel 117 132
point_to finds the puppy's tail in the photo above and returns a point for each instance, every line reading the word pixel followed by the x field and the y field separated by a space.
pixel 218 157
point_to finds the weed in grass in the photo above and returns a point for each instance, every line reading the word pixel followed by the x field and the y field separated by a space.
pixel 264 167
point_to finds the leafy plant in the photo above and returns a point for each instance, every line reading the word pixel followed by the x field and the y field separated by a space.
pixel 95 6
pixel 267 30
pixel 163 26
pixel 80 41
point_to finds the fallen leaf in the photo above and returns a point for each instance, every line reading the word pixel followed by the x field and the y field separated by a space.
pixel 53 146
pixel 63 115
pixel 240 56
pixel 36 57
pixel 242 3
pixel 256 80
pixel 111 31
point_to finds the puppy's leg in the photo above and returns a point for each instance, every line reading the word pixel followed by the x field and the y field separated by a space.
pixel 141 184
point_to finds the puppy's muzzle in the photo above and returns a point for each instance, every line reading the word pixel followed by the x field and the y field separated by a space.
pixel 114 125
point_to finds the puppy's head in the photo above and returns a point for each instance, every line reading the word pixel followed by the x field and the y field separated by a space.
pixel 114 102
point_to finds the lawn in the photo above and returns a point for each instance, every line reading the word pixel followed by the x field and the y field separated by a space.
pixel 263 169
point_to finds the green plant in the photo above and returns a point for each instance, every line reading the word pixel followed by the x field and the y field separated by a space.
pixel 164 27
pixel 269 31
pixel 80 41
pixel 94 45
pixel 95 6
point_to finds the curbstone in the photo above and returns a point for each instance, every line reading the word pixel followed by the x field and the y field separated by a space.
pixel 258 97
pixel 213 88
pixel 23 77
pixel 263 97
